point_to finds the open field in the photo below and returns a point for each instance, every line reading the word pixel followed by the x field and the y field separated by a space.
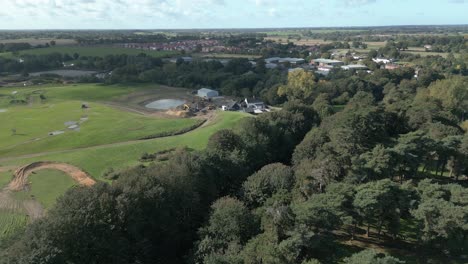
pixel 225 56
pixel 95 160
pixel 97 125
pixel 304 30
pixel 39 41
pixel 310 41
pixel 10 223
pixel 427 53
pixel 65 73
pixel 5 178
pixel 96 51
pixel 46 186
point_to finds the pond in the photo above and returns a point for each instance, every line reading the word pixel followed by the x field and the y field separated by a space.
pixel 165 104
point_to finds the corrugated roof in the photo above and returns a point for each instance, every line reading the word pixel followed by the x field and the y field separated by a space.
pixel 326 61
pixel 205 90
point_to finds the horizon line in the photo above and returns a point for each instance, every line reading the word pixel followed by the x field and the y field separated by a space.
pixel 231 28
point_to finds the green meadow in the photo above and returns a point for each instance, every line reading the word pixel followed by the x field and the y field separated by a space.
pixel 10 223
pixel 95 160
pixel 94 51
pixel 46 186
pixel 98 125
pixel 26 126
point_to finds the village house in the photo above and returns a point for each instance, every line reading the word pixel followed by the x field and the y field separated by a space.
pixel 253 105
pixel 391 66
pixel 230 106
pixel 382 60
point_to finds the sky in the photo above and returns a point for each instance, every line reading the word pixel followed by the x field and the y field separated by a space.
pixel 186 14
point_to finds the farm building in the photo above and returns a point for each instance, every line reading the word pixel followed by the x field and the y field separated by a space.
pixel 207 93
pixel 354 67
pixel 326 63
pixel 255 104
pixel 391 66
pixel 292 61
pixel 230 106
pixel 382 60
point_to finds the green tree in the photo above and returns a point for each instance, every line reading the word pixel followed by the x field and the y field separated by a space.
pixel 269 180
pixel 370 256
pixel 230 226
pixel 322 105
pixel 452 93
pixel 300 86
pixel 378 204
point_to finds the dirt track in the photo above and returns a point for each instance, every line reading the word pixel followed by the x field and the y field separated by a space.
pixel 30 207
pixel 20 179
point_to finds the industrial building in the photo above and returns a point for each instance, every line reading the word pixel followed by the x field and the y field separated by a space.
pixel 207 93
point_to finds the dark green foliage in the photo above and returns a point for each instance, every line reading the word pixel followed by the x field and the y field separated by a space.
pixel 230 226
pixel 271 179
pixel 371 257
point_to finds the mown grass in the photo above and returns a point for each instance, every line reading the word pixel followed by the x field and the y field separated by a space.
pixel 95 51
pixel 58 93
pixel 10 223
pixel 104 125
pixel 46 186
pixel 96 160
pixel 5 178
pixel 36 118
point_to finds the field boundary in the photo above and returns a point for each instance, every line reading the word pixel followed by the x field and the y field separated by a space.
pixel 176 133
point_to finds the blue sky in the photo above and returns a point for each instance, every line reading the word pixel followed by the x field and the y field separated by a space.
pixel 171 14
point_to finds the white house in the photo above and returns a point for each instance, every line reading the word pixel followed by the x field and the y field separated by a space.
pixel 207 93
pixel 354 67
pixel 256 105
pixel 382 60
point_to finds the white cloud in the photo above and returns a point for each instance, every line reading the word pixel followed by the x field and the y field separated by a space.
pixel 86 11
pixel 272 12
pixel 357 2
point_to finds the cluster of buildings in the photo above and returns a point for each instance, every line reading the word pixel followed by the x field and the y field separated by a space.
pixel 249 105
pixel 185 45
pixel 321 66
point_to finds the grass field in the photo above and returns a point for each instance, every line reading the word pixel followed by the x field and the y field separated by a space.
pixel 10 223
pixel 96 160
pixel 46 186
pixel 95 51
pixel 101 125
pixel 226 56
pixel 5 178
pixel 40 41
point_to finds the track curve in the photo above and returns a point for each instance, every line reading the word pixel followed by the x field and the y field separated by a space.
pixel 20 180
